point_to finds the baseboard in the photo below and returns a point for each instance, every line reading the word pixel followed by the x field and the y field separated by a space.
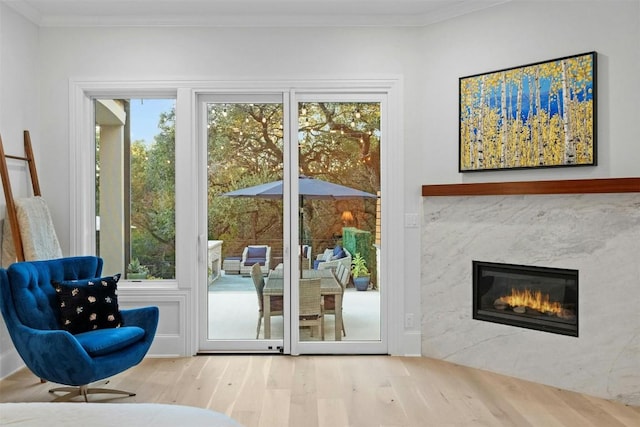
pixel 412 344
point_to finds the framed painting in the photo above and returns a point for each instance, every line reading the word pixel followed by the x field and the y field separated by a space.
pixel 539 115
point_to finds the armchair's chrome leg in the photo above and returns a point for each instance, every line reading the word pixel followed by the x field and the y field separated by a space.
pixel 84 391
pixel 108 391
pixel 71 392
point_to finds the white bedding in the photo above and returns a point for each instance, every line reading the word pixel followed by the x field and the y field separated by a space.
pixel 110 414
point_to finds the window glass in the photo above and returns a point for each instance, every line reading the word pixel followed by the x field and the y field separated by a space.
pixel 135 187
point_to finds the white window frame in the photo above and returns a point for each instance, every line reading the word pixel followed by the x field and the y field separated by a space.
pixel 189 244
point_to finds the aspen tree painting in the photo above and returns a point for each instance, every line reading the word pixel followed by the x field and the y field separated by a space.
pixel 532 116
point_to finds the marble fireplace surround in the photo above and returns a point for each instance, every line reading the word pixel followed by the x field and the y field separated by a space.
pixel 590 225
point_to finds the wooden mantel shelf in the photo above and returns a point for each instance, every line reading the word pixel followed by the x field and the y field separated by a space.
pixel 575 186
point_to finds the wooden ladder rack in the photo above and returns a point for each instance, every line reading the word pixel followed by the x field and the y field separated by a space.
pixel 8 194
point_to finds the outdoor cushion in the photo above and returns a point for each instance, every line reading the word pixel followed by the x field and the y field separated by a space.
pixel 305 251
pixel 341 254
pixel 256 252
pixel 251 261
pixel 337 250
pixel 105 341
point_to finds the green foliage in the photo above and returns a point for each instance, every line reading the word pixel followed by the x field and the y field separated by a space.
pixel 359 266
pixel 153 200
pixel 135 267
pixel 359 241
pixel 338 142
pixel 246 148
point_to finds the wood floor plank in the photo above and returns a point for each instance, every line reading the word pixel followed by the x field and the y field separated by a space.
pixel 275 409
pixel 229 387
pixel 591 411
pixel 627 415
pixel 304 396
pixel 543 404
pixel 332 412
pixel 23 386
pixel 280 374
pixel 252 389
pixel 446 393
pixel 414 402
pixel 346 391
pixel 503 398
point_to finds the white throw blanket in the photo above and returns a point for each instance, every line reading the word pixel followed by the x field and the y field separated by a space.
pixel 39 239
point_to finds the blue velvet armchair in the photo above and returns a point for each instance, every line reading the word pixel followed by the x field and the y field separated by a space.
pixel 31 311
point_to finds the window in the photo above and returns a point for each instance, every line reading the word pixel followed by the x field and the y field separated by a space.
pixel 135 186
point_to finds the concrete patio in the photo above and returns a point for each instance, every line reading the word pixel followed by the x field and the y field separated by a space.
pixel 233 313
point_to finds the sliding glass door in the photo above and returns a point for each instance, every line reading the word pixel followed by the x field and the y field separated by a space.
pixel 292 189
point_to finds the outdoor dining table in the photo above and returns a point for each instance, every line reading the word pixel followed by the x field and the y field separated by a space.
pixel 329 286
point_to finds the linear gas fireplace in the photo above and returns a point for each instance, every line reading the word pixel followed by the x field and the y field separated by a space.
pixel 531 297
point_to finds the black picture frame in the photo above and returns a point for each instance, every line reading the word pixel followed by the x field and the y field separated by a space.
pixel 515 118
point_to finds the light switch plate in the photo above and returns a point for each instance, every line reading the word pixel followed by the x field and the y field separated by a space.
pixel 411 220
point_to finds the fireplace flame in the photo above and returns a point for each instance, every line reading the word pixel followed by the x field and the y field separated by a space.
pixel 532 299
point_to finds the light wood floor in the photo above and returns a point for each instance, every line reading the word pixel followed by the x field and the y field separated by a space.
pixel 341 391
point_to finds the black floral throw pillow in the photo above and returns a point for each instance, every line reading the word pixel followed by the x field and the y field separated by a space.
pixel 89 304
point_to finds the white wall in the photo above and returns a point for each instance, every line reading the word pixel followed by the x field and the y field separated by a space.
pixel 519 33
pixel 19 71
pixel 19 110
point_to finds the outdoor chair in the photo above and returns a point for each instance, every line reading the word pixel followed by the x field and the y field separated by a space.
pixel 305 257
pixel 342 275
pixel 310 310
pixel 331 258
pixel 276 301
pixel 252 254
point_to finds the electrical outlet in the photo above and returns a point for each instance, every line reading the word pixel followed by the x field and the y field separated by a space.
pixel 408 320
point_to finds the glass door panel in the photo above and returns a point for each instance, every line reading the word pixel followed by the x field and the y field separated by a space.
pixel 245 154
pixel 339 219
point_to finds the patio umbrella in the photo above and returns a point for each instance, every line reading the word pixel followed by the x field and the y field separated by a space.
pixel 311 188
pixel 308 187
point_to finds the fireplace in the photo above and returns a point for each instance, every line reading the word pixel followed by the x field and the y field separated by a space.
pixel 531 297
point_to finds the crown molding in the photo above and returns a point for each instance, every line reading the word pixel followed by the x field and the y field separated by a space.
pixel 249 13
